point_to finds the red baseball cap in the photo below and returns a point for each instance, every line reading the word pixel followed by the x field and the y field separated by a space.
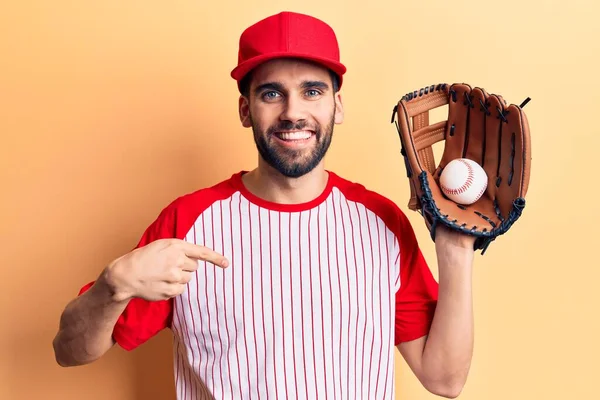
pixel 288 35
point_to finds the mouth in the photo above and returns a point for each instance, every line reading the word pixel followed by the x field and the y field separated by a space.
pixel 294 139
pixel 294 136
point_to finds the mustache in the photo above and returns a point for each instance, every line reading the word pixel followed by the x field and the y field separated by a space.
pixel 290 126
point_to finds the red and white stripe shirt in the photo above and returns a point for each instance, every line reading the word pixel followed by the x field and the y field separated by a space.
pixel 314 300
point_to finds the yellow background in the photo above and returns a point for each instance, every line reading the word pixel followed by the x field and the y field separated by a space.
pixel 110 109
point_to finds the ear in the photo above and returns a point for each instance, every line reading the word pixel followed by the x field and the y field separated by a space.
pixel 339 108
pixel 244 110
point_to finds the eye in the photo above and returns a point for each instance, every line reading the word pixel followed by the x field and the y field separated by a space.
pixel 270 95
pixel 313 93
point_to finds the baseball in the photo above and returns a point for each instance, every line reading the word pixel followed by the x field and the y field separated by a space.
pixel 463 181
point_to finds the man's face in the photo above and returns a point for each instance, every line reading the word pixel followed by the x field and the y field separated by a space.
pixel 292 109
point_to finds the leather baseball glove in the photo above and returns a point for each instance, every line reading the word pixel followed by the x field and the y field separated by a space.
pixel 480 127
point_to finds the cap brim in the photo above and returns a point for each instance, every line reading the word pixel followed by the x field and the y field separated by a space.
pixel 242 69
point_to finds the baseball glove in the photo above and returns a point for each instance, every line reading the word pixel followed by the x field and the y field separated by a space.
pixel 480 127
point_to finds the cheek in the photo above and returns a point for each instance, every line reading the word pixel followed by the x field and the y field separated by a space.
pixel 324 109
pixel 323 116
pixel 264 117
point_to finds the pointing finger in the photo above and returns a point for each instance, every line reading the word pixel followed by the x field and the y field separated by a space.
pixel 204 253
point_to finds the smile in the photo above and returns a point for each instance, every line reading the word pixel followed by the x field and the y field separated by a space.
pixel 294 135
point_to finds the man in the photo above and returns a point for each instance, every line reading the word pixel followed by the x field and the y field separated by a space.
pixel 287 281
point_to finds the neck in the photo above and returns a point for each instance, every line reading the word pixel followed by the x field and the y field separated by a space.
pixel 269 184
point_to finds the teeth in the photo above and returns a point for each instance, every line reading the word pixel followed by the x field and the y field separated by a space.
pixel 298 135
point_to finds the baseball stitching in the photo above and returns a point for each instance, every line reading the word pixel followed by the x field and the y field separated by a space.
pixel 482 192
pixel 466 185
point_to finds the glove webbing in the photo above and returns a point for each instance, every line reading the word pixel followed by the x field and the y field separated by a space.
pixel 424 137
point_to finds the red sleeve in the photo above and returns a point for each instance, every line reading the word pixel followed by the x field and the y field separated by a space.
pixel 143 319
pixel 417 296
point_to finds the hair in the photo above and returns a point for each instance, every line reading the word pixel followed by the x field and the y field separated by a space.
pixel 245 83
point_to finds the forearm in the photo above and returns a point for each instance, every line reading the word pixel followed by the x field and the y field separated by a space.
pixel 449 346
pixel 86 325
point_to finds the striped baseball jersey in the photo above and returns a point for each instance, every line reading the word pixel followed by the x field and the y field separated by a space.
pixel 314 300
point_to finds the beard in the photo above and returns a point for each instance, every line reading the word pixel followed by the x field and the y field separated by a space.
pixel 293 163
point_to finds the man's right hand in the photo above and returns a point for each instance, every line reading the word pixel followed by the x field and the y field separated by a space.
pixel 159 270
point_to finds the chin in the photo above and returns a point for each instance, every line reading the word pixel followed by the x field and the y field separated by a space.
pixel 296 170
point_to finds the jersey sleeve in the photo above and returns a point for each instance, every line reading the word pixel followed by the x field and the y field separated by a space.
pixel 143 319
pixel 417 294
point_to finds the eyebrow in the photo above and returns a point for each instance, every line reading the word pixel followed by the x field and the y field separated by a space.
pixel 269 86
pixel 315 84
pixel 280 88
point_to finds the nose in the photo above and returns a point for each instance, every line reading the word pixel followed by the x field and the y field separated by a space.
pixel 294 109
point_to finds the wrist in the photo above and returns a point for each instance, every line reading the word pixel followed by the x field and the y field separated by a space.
pixel 115 280
pixel 455 262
